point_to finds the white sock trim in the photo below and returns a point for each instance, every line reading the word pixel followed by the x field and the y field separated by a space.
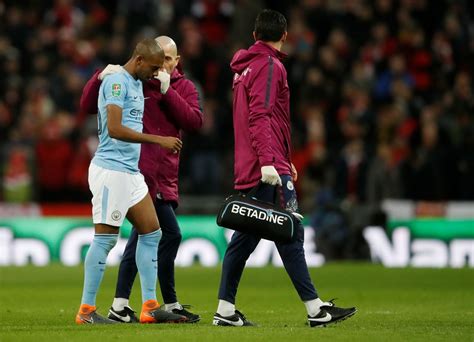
pixel 225 308
pixel 119 304
pixel 172 306
pixel 312 306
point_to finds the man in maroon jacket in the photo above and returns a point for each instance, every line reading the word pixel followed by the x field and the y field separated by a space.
pixel 261 114
pixel 171 105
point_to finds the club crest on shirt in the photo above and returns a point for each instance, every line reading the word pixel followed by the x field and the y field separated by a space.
pixel 116 89
pixel 116 215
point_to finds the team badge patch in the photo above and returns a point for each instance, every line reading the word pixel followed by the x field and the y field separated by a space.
pixel 116 89
pixel 116 215
pixel 290 186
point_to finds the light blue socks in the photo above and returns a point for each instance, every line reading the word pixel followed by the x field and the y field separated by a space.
pixel 147 263
pixel 94 265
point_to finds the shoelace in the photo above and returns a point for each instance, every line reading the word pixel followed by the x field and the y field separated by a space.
pixel 89 314
pixel 128 308
pixel 184 307
pixel 329 302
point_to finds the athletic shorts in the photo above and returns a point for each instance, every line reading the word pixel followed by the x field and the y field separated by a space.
pixel 113 193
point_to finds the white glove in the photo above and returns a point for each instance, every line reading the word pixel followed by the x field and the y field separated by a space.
pixel 298 216
pixel 109 69
pixel 270 175
pixel 164 78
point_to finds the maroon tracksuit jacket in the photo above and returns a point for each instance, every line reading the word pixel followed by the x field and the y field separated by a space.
pixel 261 113
pixel 164 115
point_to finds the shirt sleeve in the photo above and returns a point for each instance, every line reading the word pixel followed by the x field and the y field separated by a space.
pixel 114 88
pixel 262 94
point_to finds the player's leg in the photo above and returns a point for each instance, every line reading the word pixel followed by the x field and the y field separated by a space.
pixel 107 207
pixel 105 239
pixel 293 257
pixel 120 309
pixel 143 217
pixel 167 251
pixel 168 247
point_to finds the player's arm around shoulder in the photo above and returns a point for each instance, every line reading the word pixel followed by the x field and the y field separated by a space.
pixel 90 94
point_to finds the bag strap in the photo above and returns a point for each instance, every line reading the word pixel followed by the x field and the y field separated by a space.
pixel 254 190
pixel 278 198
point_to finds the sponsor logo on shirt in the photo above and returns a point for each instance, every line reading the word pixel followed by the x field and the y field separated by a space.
pixel 116 89
pixel 136 113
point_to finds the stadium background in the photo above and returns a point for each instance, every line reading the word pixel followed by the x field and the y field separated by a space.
pixel 383 134
pixel 381 98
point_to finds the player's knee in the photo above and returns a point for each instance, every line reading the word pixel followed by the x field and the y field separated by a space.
pixel 151 229
pixel 147 226
pixel 151 223
pixel 106 241
pixel 113 241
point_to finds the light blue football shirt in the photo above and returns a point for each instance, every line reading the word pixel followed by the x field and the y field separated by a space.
pixel 123 90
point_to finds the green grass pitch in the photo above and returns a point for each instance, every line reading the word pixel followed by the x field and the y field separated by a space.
pixel 393 305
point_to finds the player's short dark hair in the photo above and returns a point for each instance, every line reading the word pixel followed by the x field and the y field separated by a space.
pixel 270 26
pixel 148 47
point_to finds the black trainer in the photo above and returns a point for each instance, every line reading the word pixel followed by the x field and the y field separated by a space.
pixel 236 320
pixel 329 313
pixel 192 318
pixel 127 315
pixel 159 315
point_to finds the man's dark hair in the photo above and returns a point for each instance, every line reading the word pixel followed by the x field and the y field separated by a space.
pixel 270 26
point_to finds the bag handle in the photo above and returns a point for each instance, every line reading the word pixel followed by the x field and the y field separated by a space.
pixel 277 194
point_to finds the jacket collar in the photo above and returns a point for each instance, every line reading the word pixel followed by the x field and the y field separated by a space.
pixel 264 47
pixel 176 74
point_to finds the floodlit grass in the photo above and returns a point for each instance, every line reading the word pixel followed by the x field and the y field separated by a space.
pixel 393 305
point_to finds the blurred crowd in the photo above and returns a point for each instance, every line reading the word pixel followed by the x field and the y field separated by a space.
pixel 381 94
